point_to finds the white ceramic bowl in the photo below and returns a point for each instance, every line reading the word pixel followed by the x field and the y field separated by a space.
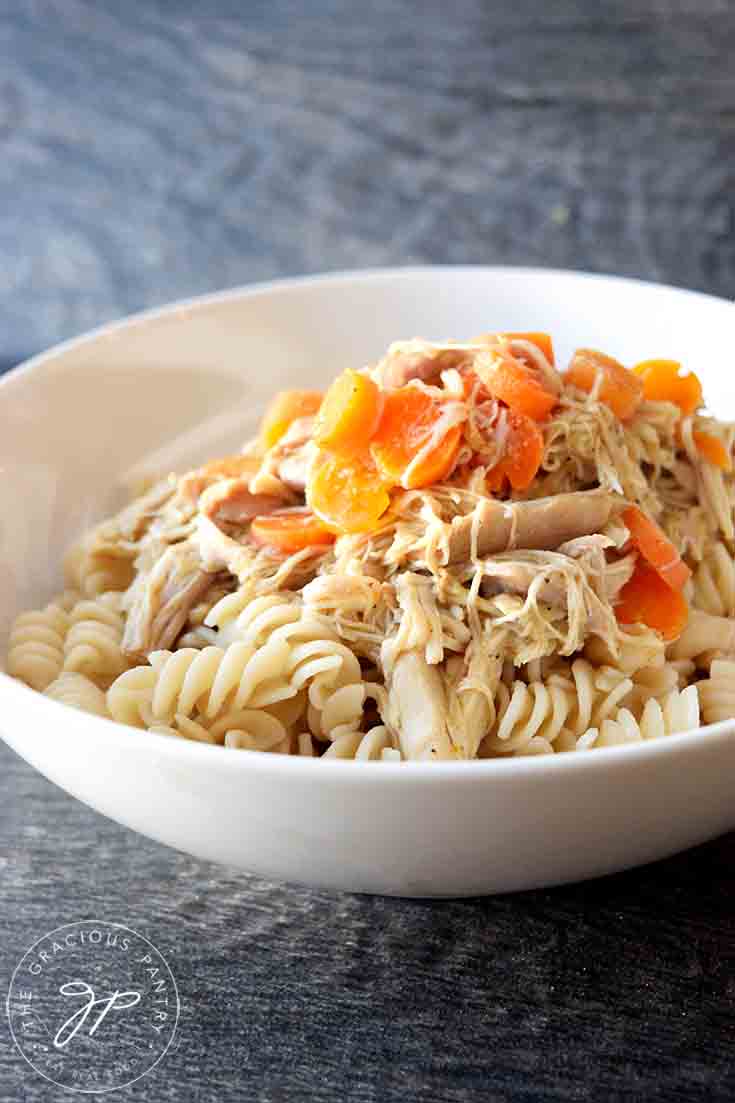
pixel 80 422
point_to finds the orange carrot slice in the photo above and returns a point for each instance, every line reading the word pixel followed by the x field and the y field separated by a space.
pixel 285 408
pixel 647 599
pixel 347 494
pixel 663 381
pixel 349 414
pixel 291 530
pixel 517 385
pixel 542 341
pixel 416 442
pixel 524 451
pixel 655 547
pixel 620 389
pixel 713 450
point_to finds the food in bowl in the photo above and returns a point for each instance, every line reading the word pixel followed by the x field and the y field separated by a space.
pixel 459 552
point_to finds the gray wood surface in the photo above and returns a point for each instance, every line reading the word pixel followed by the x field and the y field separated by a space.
pixel 151 150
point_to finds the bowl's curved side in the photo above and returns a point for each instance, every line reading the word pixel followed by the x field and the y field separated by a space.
pixel 404 829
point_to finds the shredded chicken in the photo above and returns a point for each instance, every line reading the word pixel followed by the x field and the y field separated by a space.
pixel 461 592
pixel 543 523
pixel 417 709
pixel 231 506
pixel 284 468
pixel 162 599
pixel 194 483
pixel 406 361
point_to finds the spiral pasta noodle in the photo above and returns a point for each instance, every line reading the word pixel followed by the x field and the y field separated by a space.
pixel 247 729
pixel 679 712
pixel 79 692
pixel 530 719
pixel 717 693
pixel 36 645
pixel 714 583
pixel 92 643
pixel 95 572
pixel 375 744
pixel 202 684
pixel 586 707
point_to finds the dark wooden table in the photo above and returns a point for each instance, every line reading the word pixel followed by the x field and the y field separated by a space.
pixel 157 149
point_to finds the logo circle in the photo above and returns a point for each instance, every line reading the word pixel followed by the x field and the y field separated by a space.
pixel 93 1006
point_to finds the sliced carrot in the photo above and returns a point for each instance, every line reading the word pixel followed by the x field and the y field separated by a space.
pixel 620 389
pixel 416 442
pixel 285 408
pixel 349 414
pixel 291 530
pixel 542 341
pixel 655 547
pixel 713 450
pixel 347 494
pixel 663 382
pixel 647 599
pixel 524 451
pixel 517 385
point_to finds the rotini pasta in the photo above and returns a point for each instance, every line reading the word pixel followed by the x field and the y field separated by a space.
pixel 530 719
pixel 36 645
pixel 678 713
pixel 92 645
pixel 95 572
pixel 247 729
pixel 72 688
pixel 714 583
pixel 588 707
pixel 717 693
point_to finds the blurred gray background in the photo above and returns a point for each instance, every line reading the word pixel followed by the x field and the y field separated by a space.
pixel 152 150
pixel 159 149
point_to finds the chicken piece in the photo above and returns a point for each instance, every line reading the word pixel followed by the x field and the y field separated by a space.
pixel 293 470
pixel 162 599
pixel 583 586
pixel 417 359
pixel 418 709
pixel 194 483
pixel 230 505
pixel 541 524
pixel 134 520
pixel 515 577
pixel 225 511
pixel 285 467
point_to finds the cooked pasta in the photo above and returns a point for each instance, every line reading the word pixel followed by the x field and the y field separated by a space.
pixel 678 713
pixel 36 645
pixel 458 552
pixel 714 582
pixel 92 645
pixel 717 692
pixel 71 688
pixel 530 719
pixel 378 743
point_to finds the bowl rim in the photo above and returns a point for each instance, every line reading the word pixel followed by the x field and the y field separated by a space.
pixel 624 756
pixel 320 279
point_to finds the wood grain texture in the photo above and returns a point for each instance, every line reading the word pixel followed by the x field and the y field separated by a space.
pixel 151 150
